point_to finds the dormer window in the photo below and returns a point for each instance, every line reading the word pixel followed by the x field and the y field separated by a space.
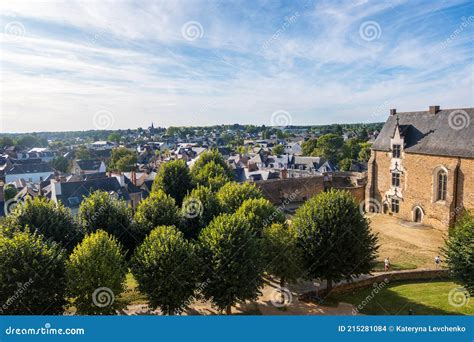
pixel 396 148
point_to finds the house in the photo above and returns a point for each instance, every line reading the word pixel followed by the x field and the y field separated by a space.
pixel 422 166
pixel 31 172
pixel 293 148
pixel 102 145
pixel 71 194
pixel 86 166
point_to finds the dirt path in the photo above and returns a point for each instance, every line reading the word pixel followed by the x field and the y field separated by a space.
pixel 267 304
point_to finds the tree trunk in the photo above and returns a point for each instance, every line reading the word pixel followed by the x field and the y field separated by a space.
pixel 228 310
pixel 282 290
pixel 328 285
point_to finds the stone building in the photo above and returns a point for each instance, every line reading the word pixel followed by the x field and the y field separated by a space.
pixel 422 166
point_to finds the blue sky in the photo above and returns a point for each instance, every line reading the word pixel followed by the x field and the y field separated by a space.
pixel 74 65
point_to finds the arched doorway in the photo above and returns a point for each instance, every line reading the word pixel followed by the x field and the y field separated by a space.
pixel 417 215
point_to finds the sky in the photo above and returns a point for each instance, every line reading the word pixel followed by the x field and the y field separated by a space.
pixel 78 65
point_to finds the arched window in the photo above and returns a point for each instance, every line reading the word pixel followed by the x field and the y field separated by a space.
pixel 442 180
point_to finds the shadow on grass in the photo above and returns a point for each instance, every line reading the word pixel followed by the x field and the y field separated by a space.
pixel 394 300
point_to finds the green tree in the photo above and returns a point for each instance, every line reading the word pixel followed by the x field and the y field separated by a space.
pixel 198 210
pixel 351 148
pixel 233 259
pixel 459 251
pixel 364 154
pixel 114 137
pixel 283 257
pixel 345 164
pixel 103 211
pixel 278 149
pixel 33 270
pixel 96 274
pixel 60 164
pixel 174 179
pixel 259 213
pixel 53 221
pixel 211 175
pixel 309 146
pixel 83 153
pixel 208 156
pixel 166 267
pixel 122 159
pixel 335 237
pixel 329 147
pixel 9 191
pixel 232 195
pixel 159 209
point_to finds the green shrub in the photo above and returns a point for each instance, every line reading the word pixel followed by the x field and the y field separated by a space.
pixel 232 256
pixel 96 274
pixel 259 213
pixel 103 211
pixel 174 179
pixel 335 237
pixel 459 251
pixel 53 221
pixel 159 209
pixel 32 275
pixel 198 210
pixel 166 268
pixel 232 195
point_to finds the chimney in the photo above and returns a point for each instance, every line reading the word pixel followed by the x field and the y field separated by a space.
pixel 393 111
pixel 134 178
pixel 55 189
pixel 434 109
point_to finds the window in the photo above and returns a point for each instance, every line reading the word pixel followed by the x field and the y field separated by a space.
pixel 396 151
pixel 395 179
pixel 442 180
pixel 395 205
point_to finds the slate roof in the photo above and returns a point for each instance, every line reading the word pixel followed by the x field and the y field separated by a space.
pixel 89 164
pixel 73 193
pixel 17 169
pixel 432 134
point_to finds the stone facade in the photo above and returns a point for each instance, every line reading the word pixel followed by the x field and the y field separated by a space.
pixel 418 186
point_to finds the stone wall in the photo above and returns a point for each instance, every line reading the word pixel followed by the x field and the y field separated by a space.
pixel 302 189
pixel 295 189
pixel 388 277
pixel 418 184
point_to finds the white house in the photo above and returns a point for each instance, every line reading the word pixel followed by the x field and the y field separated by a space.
pixel 30 172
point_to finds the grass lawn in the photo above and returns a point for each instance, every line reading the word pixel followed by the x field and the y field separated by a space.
pixel 397 298
pixel 131 295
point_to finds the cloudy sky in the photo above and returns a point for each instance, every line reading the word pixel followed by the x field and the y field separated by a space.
pixel 74 65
